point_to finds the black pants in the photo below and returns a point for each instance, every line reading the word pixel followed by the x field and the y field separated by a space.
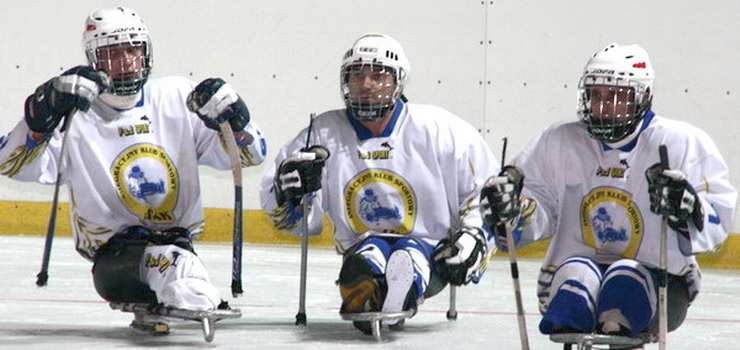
pixel 116 268
pixel 116 271
pixel 677 301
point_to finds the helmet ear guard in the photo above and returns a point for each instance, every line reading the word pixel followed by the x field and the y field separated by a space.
pixel 625 76
pixel 376 54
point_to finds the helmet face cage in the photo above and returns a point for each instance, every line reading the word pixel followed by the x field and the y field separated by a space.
pixel 126 57
pixel 611 107
pixel 371 89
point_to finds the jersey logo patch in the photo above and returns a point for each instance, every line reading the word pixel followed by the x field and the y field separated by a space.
pixel 134 130
pixel 611 222
pixel 147 181
pixel 380 200
pixel 611 172
pixel 384 153
pixel 373 211
pixel 379 154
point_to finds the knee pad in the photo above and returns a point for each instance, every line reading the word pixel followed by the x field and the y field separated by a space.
pixel 628 296
pixel 572 296
pixel 375 251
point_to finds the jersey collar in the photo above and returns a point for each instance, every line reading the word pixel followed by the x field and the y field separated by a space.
pixel 363 133
pixel 631 145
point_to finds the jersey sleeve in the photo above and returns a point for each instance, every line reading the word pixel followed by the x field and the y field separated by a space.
pixel 475 165
pixel 24 157
pixel 707 172
pixel 539 199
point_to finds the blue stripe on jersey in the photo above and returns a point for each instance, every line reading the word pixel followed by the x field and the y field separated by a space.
pixel 628 147
pixel 141 100
pixel 363 133
pixel 4 140
pixel 714 219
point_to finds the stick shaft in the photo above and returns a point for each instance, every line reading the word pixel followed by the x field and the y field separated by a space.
pixel 511 247
pixel 304 258
pixel 301 315
pixel 43 276
pixel 452 310
pixel 232 150
pixel 663 289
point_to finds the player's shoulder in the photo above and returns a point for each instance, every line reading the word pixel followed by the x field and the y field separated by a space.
pixel 676 128
pixel 331 119
pixel 431 112
pixel 332 115
pixel 156 85
pixel 568 129
pixel 171 81
pixel 438 116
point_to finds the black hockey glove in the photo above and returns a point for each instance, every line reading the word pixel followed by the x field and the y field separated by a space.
pixel 300 173
pixel 500 203
pixel 672 196
pixel 215 102
pixel 54 99
pixel 459 257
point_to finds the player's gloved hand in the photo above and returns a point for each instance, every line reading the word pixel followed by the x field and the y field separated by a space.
pixel 458 257
pixel 672 196
pixel 300 173
pixel 500 203
pixel 215 102
pixel 54 99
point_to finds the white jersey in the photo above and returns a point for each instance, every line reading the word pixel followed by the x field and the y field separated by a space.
pixel 593 201
pixel 132 167
pixel 420 178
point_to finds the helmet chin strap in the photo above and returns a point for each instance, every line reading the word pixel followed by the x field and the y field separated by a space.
pixel 120 102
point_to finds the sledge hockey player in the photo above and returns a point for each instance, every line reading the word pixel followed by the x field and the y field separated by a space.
pixel 399 181
pixel 596 187
pixel 131 163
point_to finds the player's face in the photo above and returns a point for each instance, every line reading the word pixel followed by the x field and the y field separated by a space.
pixel 122 61
pixel 611 103
pixel 371 85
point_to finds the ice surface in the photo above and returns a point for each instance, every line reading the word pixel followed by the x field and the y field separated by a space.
pixel 68 313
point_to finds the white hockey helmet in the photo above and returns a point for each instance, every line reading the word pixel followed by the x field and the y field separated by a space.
pixel 381 54
pixel 111 27
pixel 627 74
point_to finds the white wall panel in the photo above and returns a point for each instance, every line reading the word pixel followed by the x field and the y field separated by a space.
pixel 510 68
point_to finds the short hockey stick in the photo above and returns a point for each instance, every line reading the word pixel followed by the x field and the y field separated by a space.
pixel 227 135
pixel 663 273
pixel 43 276
pixel 300 317
pixel 511 247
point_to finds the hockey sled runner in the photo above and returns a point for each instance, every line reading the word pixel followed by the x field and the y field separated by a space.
pixel 207 318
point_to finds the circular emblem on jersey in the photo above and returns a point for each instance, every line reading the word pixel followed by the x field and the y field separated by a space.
pixel 379 200
pixel 147 182
pixel 611 222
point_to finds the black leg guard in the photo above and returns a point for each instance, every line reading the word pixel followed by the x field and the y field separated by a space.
pixel 436 284
pixel 116 270
pixel 678 304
